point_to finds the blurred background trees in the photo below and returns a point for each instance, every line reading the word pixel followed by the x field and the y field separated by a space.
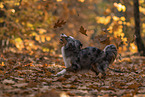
pixel 27 26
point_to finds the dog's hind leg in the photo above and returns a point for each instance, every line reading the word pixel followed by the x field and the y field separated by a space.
pixel 94 68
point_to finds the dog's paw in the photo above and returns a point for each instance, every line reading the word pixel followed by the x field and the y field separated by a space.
pixel 58 74
pixel 61 72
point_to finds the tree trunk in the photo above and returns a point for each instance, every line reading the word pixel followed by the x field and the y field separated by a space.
pixel 139 42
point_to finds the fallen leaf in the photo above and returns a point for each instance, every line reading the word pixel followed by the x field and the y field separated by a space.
pixel 103 39
pixel 59 23
pixel 61 79
pixel 133 86
pixel 73 87
pixel 83 31
pixel 8 81
pixel 20 85
pixel 32 84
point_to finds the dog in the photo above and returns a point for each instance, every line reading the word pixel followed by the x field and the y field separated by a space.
pixel 79 60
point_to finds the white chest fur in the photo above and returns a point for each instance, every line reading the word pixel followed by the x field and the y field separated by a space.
pixel 65 59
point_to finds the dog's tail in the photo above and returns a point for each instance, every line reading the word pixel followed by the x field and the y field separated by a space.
pixel 119 71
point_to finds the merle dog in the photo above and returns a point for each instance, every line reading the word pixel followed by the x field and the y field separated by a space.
pixel 83 60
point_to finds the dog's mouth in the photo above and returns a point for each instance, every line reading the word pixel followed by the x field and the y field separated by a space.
pixel 63 39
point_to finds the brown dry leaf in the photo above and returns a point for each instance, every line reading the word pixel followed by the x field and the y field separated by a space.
pixel 73 87
pixel 83 31
pixel 8 81
pixel 133 86
pixel 17 90
pixel 52 93
pixel 70 94
pixel 108 88
pixel 94 87
pixel 67 75
pixel 32 84
pixel 118 42
pixel 59 23
pixel 106 95
pixel 133 40
pixel 103 39
pixel 139 95
pixel 61 79
pixel 19 79
pixel 126 60
pixel 20 85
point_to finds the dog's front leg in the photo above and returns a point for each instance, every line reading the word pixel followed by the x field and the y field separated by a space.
pixel 67 65
pixel 72 68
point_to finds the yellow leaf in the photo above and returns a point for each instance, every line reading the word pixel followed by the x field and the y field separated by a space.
pixel 1 20
pixel 1 5
pixel 141 9
pixel 103 20
pixel 48 38
pixel 128 24
pixel 124 39
pixel 141 1
pixel 37 38
pixel 18 40
pixel 2 64
pixel 122 34
pixel 17 4
pixel 115 4
pixel 17 20
pixel 41 31
pixel 59 0
pixel 122 18
pixel 123 8
pixel 133 47
pixel 119 22
pixel 33 34
pixel 13 10
pixel 115 18
pixel 108 10
pixel 43 38
pixel 107 20
pixel 30 25
pixel 119 7
pixel 143 25
pixel 81 0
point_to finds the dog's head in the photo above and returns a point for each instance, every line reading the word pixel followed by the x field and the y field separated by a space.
pixel 110 52
pixel 70 43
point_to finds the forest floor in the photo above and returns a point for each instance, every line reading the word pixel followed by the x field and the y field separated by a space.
pixel 22 75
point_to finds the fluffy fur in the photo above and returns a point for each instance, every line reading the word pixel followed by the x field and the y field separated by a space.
pixel 83 60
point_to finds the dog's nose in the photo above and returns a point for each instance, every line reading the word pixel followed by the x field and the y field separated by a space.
pixel 62 34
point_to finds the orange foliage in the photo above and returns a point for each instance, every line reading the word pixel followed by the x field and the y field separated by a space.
pixel 120 7
pixel 33 25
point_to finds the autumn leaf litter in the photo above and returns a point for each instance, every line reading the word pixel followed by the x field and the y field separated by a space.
pixel 31 79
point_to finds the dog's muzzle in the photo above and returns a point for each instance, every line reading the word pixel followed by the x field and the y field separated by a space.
pixel 63 39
